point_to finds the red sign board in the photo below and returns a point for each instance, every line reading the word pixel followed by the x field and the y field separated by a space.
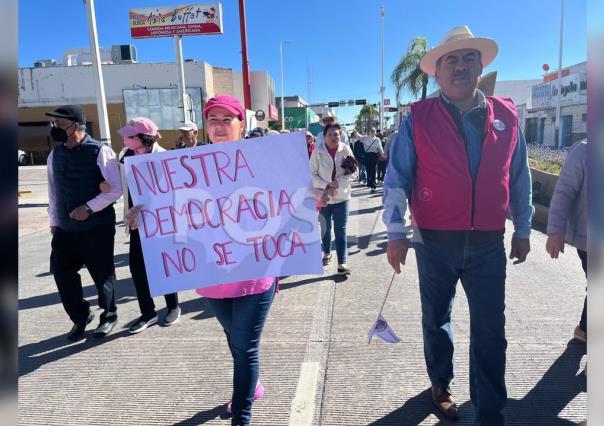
pixel 554 75
pixel 386 102
pixel 191 19
pixel 273 112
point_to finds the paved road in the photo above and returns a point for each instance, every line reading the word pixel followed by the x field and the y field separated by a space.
pixel 33 203
pixel 316 364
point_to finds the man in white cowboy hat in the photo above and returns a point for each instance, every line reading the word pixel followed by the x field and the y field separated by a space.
pixel 459 162
pixel 188 136
pixel 329 118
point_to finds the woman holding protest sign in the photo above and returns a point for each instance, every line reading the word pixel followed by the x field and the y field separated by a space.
pixel 333 168
pixel 140 137
pixel 241 307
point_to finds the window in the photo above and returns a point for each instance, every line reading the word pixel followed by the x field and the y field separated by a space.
pixel 584 117
pixel 162 106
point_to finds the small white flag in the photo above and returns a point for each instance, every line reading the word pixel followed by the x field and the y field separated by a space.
pixel 383 331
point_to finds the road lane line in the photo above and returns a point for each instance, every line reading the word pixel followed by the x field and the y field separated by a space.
pixel 302 409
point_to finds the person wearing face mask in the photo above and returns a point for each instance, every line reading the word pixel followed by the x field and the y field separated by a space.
pixel 140 137
pixel 82 218
pixel 241 307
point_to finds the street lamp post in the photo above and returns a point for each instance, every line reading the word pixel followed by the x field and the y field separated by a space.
pixel 282 86
pixel 382 86
pixel 101 103
pixel 181 77
pixel 557 127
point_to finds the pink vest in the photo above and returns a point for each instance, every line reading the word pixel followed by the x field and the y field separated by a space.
pixel 442 191
pixel 236 289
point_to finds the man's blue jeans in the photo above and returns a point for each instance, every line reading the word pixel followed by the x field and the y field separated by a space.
pixel 481 267
pixel 339 213
pixel 242 319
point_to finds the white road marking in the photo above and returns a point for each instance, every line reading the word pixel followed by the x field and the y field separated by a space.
pixel 302 409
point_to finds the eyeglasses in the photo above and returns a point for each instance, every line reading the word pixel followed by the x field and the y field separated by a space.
pixel 61 124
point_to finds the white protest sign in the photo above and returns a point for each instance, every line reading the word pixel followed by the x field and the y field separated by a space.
pixel 228 212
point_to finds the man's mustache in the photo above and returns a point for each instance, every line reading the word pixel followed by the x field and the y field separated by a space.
pixel 461 74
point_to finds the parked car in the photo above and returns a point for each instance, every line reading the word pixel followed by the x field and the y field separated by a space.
pixel 22 158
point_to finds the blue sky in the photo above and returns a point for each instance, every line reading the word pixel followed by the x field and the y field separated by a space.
pixel 338 39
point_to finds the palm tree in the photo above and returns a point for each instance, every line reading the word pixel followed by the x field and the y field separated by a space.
pixel 366 117
pixel 408 74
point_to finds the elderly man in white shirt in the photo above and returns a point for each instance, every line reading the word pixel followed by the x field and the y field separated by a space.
pixel 373 150
pixel 83 184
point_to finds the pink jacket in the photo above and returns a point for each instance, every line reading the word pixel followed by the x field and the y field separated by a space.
pixel 236 289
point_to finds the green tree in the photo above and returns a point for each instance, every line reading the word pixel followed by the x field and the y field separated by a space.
pixel 408 74
pixel 368 114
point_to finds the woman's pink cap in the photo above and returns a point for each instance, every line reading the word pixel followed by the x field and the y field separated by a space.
pixel 137 125
pixel 229 102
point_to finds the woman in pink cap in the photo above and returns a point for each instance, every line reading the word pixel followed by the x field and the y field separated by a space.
pixel 241 307
pixel 140 137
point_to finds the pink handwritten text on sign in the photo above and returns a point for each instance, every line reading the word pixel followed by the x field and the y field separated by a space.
pixel 228 212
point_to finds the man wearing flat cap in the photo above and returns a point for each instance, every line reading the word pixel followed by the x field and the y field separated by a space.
pixel 82 218
pixel 459 164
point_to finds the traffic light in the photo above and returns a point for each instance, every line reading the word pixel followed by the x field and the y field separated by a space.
pixel 333 104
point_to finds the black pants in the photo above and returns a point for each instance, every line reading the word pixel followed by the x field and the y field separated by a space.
pixel 371 163
pixel 583 323
pixel 94 249
pixel 381 170
pixel 139 276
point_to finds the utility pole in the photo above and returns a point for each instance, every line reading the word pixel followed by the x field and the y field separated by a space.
pixel 558 127
pixel 308 84
pixel 101 103
pixel 282 86
pixel 382 86
pixel 245 66
pixel 181 77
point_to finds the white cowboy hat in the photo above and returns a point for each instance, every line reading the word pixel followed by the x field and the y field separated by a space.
pixel 327 114
pixel 456 39
pixel 188 126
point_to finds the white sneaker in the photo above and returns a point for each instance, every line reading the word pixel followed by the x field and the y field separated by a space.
pixel 343 269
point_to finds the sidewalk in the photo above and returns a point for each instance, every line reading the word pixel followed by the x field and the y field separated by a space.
pixel 314 350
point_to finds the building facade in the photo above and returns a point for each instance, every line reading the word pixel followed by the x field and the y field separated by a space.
pixel 540 118
pixel 132 89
